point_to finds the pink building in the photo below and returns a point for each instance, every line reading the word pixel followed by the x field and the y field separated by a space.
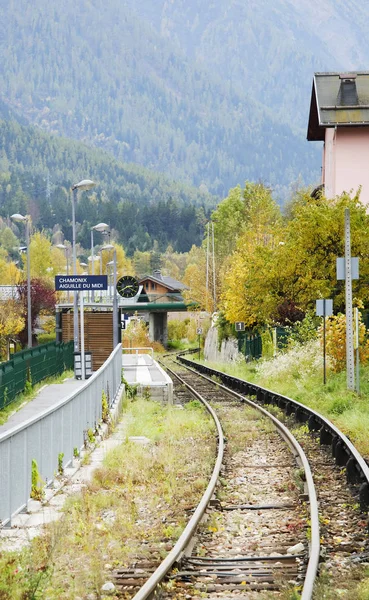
pixel 339 116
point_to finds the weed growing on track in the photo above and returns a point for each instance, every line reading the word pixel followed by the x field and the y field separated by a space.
pixel 136 502
pixel 298 373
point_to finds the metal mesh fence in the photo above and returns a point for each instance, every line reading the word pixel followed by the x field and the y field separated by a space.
pixel 34 365
pixel 251 344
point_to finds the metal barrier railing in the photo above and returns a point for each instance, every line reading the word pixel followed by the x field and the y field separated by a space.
pixel 58 429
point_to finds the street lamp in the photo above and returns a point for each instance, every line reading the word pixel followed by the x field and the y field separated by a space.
pixel 102 227
pixel 115 298
pixel 65 248
pixel 109 272
pixel 27 220
pixel 85 184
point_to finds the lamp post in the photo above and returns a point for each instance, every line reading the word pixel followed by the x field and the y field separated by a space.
pixel 115 298
pixel 102 227
pixel 82 325
pixel 85 184
pixel 27 220
pixel 65 248
pixel 92 259
pixel 109 272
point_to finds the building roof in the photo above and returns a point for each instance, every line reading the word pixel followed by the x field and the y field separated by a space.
pixel 169 282
pixel 338 100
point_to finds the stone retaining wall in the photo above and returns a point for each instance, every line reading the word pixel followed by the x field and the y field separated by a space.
pixel 228 351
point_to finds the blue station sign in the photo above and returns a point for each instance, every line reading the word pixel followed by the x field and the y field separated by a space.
pixel 79 283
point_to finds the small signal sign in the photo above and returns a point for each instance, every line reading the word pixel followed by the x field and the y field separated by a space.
pixel 240 326
pixel 199 331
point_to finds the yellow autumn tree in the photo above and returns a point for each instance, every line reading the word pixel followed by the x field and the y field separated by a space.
pixel 141 263
pixel 195 279
pixel 40 255
pixel 9 272
pixel 336 341
pixel 11 324
pixel 247 273
pixel 280 267
pixel 124 264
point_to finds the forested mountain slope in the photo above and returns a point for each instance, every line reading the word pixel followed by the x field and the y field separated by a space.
pixel 270 49
pixel 37 171
pixel 113 74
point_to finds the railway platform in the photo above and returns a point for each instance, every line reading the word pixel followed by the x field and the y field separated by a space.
pixel 141 369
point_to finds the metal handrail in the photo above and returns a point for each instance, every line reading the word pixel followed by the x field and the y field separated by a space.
pixel 59 427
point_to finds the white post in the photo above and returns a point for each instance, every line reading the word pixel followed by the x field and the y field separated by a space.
pixel 66 258
pixel 356 347
pixel 101 272
pixel 29 307
pixel 115 303
pixel 214 276
pixel 207 266
pixel 83 366
pixel 92 261
pixel 349 328
pixel 75 294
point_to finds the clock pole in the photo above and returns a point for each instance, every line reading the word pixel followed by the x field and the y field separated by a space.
pixel 115 303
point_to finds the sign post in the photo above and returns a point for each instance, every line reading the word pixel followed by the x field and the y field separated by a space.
pixel 349 328
pixel 348 269
pixel 81 283
pixel 199 333
pixel 324 308
pixel 356 348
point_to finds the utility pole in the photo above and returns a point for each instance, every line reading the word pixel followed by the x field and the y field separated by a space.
pixel 214 277
pixel 349 324
pixel 207 266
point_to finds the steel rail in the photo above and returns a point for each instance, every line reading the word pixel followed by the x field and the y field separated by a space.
pixel 357 470
pixel 149 587
pixel 312 567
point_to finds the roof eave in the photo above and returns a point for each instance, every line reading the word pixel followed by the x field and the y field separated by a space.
pixel 315 131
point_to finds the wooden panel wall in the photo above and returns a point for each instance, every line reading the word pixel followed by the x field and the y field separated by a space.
pixel 98 334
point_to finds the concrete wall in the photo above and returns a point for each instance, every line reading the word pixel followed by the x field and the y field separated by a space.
pixel 158 327
pixel 228 351
pixel 346 160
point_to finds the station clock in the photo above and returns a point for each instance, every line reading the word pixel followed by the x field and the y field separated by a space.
pixel 127 286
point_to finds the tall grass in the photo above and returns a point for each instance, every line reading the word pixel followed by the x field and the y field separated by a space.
pixel 138 497
pixel 298 373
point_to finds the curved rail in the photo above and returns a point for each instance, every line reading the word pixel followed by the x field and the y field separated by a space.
pixel 150 585
pixel 312 567
pixel 343 450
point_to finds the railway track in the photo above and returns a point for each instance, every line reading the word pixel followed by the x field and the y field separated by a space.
pixel 260 530
pixel 257 529
pixel 341 477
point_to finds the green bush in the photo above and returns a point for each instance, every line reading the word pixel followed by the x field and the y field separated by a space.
pixel 303 331
pixel 45 338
